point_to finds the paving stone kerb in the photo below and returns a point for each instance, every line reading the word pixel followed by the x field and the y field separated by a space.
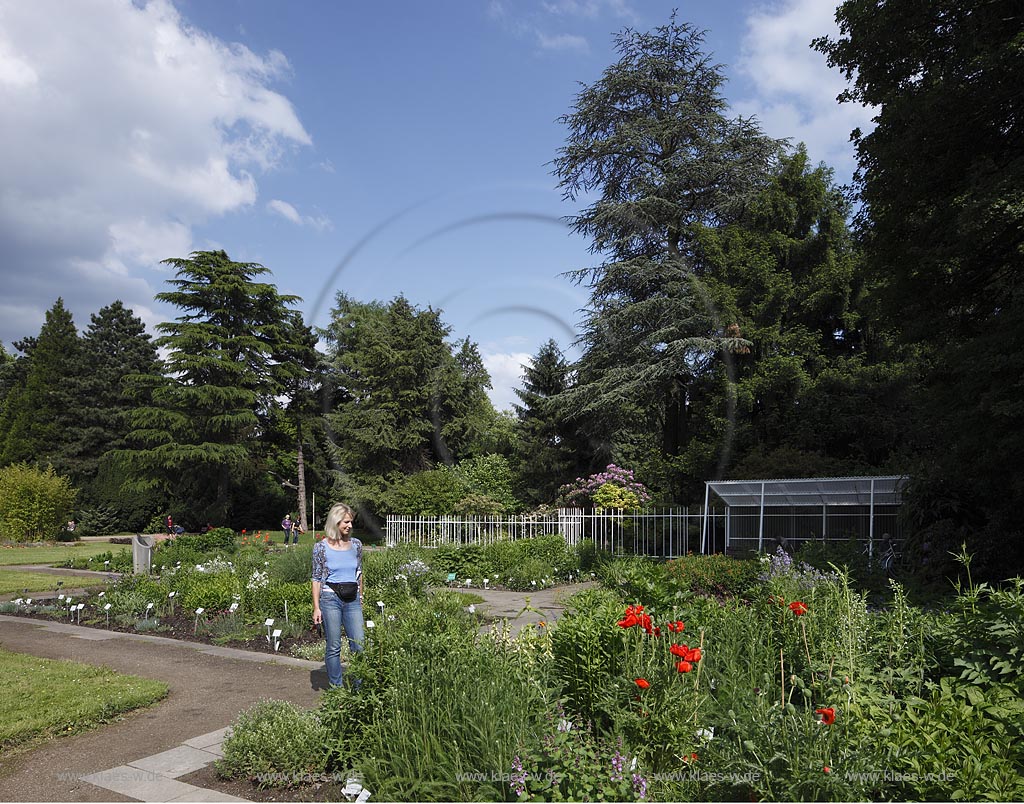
pixel 209 687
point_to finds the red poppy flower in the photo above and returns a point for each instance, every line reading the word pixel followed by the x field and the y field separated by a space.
pixel 826 769
pixel 643 683
pixel 797 608
pixel 676 626
pixel 628 621
pixel 828 715
pixel 678 650
pixel 684 666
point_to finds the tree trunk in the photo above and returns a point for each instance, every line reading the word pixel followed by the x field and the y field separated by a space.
pixel 301 470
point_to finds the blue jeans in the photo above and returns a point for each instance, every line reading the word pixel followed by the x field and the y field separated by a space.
pixel 336 614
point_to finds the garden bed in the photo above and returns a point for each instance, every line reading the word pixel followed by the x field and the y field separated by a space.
pixel 181 626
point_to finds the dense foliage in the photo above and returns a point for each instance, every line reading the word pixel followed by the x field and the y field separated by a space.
pixel 707 679
pixel 34 504
pixel 942 225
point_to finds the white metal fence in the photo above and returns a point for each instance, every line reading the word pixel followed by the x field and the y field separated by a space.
pixel 667 532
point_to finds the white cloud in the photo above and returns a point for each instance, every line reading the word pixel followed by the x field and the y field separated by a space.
pixel 795 90
pixel 560 42
pixel 285 210
pixel 590 9
pixel 124 127
pixel 536 20
pixel 290 213
pixel 506 370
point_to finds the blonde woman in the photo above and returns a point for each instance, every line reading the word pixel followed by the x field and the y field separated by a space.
pixel 338 587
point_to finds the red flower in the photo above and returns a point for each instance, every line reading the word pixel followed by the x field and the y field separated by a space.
pixel 826 769
pixel 628 621
pixel 686 653
pixel 797 608
pixel 828 715
pixel 643 683
pixel 676 626
pixel 243 530
pixel 684 666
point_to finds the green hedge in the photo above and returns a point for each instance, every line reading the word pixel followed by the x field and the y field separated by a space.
pixel 35 504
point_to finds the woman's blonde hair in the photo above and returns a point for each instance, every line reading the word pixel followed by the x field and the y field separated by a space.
pixel 338 512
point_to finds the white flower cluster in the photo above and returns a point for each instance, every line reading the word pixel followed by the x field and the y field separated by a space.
pixel 258 580
pixel 215 565
pixel 414 568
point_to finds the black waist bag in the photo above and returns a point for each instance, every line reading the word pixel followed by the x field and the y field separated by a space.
pixel 346 591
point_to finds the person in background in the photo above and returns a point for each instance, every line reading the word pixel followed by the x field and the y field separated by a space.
pixel 289 528
pixel 170 525
pixel 338 588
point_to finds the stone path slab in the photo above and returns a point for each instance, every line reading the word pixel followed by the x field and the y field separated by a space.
pixel 155 778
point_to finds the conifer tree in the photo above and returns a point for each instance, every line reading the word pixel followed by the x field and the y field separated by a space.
pixel 39 420
pixel 196 434
pixel 652 140
pixel 546 451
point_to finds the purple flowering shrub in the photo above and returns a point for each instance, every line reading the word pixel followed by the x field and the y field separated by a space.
pixel 615 487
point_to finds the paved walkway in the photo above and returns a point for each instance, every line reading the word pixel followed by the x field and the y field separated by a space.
pixel 142 756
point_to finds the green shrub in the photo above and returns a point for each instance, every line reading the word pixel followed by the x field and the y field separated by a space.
pixel 588 654
pixel 130 595
pixel 465 562
pixel 433 492
pixel 640 579
pixel 213 592
pixel 529 573
pixel 436 705
pixel 295 564
pixel 715 575
pixel 100 520
pixel 478 505
pixel 35 504
pixel 275 744
pixel 487 477
pixel 219 541
pixel 299 599
pixel 157 524
pixel 959 742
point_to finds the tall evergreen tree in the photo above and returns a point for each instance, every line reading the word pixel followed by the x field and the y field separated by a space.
pixel 114 346
pixel 817 381
pixel 402 401
pixel 653 140
pixel 40 416
pixel 941 179
pixel 228 354
pixel 546 454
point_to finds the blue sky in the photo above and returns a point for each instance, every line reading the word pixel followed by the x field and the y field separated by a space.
pixel 373 148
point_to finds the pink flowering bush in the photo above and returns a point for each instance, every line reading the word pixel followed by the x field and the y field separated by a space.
pixel 615 487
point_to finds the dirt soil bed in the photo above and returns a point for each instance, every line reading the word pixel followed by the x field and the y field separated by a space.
pixel 181 627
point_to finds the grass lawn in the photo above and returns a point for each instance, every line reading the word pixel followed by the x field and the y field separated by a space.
pixel 53 553
pixel 17 581
pixel 47 697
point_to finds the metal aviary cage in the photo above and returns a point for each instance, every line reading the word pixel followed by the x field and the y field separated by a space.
pixel 763 515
